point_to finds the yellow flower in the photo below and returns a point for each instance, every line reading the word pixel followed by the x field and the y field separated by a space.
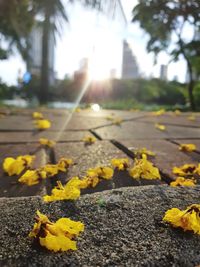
pixel 91 181
pixel 88 140
pixel 181 181
pixel 160 127
pixel 159 112
pixel 37 115
pixel 187 219
pixel 47 142
pixel 144 151
pixel 144 169
pixel 77 109
pixel 109 118
pixel 120 164
pixel 101 172
pixel 42 124
pixel 117 121
pixel 71 191
pixel 63 164
pixel 58 236
pixel 177 112
pixel 29 178
pixel 184 170
pixel 187 147
pixel 16 166
pixel 192 117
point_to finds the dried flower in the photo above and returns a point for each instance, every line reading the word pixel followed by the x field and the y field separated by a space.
pixel 46 142
pixel 187 147
pixel 186 219
pixel 15 166
pixel 185 170
pixel 120 164
pixel 42 124
pixel 181 181
pixel 58 236
pixel 144 169
pixel 160 127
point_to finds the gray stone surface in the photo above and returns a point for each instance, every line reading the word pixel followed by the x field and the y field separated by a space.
pixel 141 130
pixel 127 230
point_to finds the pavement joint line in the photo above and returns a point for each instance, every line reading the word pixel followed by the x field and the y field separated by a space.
pixel 171 124
pixel 165 177
pixel 96 135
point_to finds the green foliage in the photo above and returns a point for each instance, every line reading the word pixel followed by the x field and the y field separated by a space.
pixel 7 92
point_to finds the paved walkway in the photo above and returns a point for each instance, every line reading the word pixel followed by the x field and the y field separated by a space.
pixel 129 230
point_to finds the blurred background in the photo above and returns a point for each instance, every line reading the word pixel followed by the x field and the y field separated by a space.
pixel 122 54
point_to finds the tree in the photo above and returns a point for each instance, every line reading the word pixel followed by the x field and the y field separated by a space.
pixel 165 22
pixel 16 20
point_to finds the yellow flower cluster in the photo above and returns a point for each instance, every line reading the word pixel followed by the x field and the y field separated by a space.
pixel 46 142
pixel 72 190
pixel 145 151
pixel 58 236
pixel 159 112
pixel 14 166
pixel 181 181
pixel 34 176
pixel 188 219
pixel 187 147
pixel 88 140
pixel 160 127
pixel 144 169
pixel 120 164
pixel 40 122
pixel 185 170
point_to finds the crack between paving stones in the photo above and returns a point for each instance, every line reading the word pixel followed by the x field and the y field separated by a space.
pixel 96 135
pixel 165 177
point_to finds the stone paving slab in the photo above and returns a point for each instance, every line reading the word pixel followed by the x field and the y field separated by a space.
pixel 28 137
pixel 170 118
pixel 141 130
pixel 167 154
pixel 98 154
pixel 126 231
pixel 9 186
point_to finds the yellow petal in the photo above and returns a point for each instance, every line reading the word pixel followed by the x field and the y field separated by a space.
pixel 29 178
pixel 42 124
pixel 46 142
pixel 187 147
pixel 160 127
pixel 181 181
pixel 37 115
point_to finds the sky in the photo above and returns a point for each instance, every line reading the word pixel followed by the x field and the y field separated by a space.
pixel 99 39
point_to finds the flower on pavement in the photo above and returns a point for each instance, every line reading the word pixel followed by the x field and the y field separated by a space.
pixel 70 191
pixel 187 219
pixel 192 117
pixel 144 169
pixel 159 112
pixel 177 112
pixel 46 142
pixel 42 124
pixel 14 166
pixel 144 151
pixel 30 177
pixel 160 127
pixel 187 147
pixel 181 181
pixel 88 140
pixel 120 164
pixel 185 170
pixel 37 115
pixel 58 236
pixel 101 172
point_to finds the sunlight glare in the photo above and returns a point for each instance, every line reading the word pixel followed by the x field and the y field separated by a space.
pixel 95 107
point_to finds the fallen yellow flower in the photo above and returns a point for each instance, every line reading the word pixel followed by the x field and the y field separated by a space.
pixel 88 140
pixel 101 172
pixel 15 166
pixel 177 112
pixel 160 127
pixel 187 147
pixel 144 169
pixel 117 121
pixel 192 117
pixel 42 124
pixel 144 151
pixel 185 170
pixel 71 191
pixel 186 219
pixel 159 112
pixel 58 236
pixel 120 164
pixel 37 115
pixel 46 142
pixel 181 181
pixel 29 178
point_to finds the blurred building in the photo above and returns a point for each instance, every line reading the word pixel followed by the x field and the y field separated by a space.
pixel 35 54
pixel 130 68
pixel 113 73
pixel 163 72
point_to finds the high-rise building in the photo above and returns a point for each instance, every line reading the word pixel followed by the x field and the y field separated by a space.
pixel 130 68
pixel 163 72
pixel 35 53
